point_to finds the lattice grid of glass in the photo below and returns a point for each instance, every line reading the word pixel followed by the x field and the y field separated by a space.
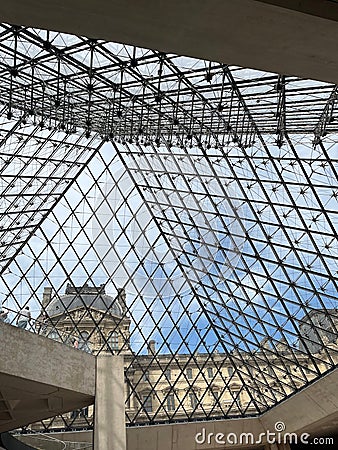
pixel 179 212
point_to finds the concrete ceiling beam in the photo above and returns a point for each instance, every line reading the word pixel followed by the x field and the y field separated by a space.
pixel 284 36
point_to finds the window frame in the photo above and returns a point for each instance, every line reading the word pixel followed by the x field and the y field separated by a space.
pixel 147 402
pixel 113 340
pixel 171 402
pixel 193 399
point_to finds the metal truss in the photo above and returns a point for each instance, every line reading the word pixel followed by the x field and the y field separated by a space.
pixel 188 203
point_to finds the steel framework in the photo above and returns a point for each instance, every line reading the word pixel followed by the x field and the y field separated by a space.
pixel 207 192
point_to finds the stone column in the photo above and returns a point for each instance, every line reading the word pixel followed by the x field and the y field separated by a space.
pixel 109 420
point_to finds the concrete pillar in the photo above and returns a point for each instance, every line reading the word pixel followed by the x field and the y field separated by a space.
pixel 109 422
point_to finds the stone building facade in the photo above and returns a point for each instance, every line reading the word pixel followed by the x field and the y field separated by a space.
pixel 174 388
pixel 86 317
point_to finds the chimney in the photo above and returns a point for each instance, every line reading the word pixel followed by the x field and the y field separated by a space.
pixel 121 298
pixel 151 347
pixel 47 296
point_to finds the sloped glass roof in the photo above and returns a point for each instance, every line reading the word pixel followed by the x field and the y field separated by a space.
pixel 207 192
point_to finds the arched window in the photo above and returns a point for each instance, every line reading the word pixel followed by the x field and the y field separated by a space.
pixel 113 340
pixel 116 309
pixel 84 343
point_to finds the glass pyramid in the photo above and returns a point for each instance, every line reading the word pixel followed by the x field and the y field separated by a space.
pixel 188 206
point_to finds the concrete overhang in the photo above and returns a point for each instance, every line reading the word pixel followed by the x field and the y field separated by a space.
pixel 40 378
pixel 284 36
pixel 313 410
pixel 24 401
